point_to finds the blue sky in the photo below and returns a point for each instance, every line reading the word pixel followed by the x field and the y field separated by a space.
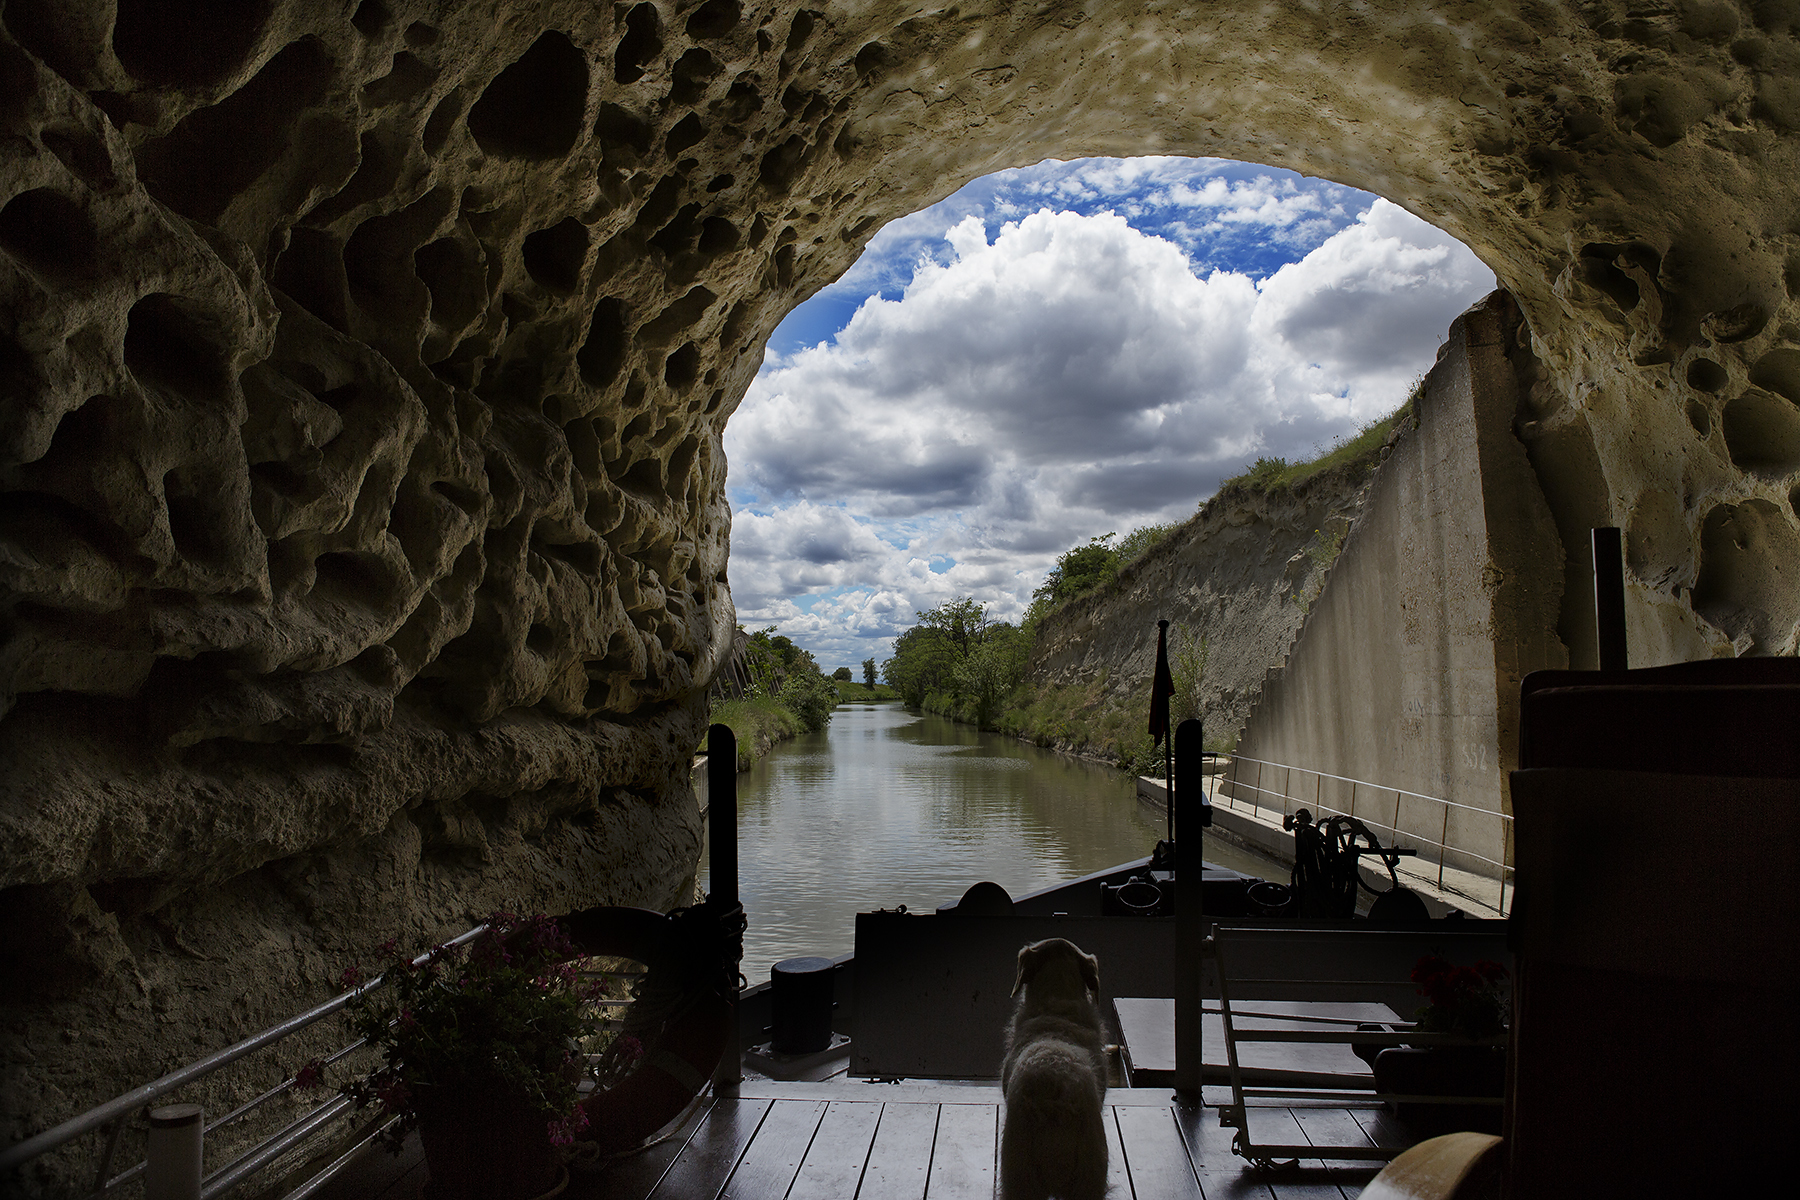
pixel 1057 352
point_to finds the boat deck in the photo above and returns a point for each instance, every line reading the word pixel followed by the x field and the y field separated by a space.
pixel 851 1140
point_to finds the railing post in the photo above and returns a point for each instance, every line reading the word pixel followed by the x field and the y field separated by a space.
pixel 1609 597
pixel 1193 814
pixel 1443 842
pixel 722 863
pixel 172 1161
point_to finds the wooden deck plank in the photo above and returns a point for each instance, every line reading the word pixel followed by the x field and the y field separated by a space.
pixel 1223 1175
pixel 1383 1128
pixel 769 1165
pixel 1118 1176
pixel 900 1159
pixel 706 1162
pixel 833 1166
pixel 962 1160
pixel 1310 1180
pixel 1156 1155
pixel 1337 1127
pixel 634 1176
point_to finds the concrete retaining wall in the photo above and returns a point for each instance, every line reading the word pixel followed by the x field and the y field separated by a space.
pixel 1446 593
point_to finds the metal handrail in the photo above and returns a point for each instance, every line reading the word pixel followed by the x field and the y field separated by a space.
pixel 1501 869
pixel 122 1106
pixel 1380 787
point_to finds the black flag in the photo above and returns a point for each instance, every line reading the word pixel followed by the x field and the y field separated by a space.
pixel 1163 687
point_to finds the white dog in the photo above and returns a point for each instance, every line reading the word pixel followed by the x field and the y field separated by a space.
pixel 1054 1078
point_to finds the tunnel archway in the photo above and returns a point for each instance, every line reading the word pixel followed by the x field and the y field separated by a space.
pixel 360 510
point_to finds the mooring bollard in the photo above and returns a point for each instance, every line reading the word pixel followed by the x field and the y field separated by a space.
pixel 172 1171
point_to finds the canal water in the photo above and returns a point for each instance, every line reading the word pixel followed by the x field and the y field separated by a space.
pixel 884 808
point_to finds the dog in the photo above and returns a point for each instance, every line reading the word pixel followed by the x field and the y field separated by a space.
pixel 1053 1078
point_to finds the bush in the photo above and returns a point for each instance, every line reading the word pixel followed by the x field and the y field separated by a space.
pixel 810 697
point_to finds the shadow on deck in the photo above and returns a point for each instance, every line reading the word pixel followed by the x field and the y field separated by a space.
pixel 864 1141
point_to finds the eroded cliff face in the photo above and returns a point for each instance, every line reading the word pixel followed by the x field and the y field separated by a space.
pixel 364 367
pixel 1241 573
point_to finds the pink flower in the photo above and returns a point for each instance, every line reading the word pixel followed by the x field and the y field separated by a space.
pixel 564 1130
pixel 310 1076
pixel 351 977
pixel 630 1047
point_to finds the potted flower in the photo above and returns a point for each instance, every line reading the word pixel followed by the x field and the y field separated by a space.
pixel 482 1053
pixel 1468 1003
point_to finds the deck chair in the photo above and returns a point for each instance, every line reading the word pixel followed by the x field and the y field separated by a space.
pixel 1336 964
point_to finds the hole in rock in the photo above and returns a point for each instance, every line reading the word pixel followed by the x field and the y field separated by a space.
pixel 554 256
pixel 1762 433
pixel 1745 583
pixel 533 109
pixel 468 499
pixel 352 575
pixel 681 368
pixel 372 17
pixel 720 183
pixel 1705 375
pixel 689 131
pixel 48 231
pixel 376 173
pixel 583 556
pixel 690 75
pixel 454 274
pixel 640 45
pixel 44 526
pixel 408 76
pixel 714 19
pixel 197 522
pixel 718 236
pixel 623 137
pixel 1779 372
pixel 679 233
pixel 189 43
pixel 284 479
pixel 215 153
pixel 1700 417
pixel 540 639
pixel 603 353
pixel 165 348
pixel 85 155
pixel 420 34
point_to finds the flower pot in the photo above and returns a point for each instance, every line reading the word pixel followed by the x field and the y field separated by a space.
pixel 1443 1071
pixel 485 1141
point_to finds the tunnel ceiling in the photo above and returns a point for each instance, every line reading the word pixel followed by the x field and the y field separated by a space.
pixel 365 365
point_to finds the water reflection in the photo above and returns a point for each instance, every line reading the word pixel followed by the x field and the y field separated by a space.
pixel 887 808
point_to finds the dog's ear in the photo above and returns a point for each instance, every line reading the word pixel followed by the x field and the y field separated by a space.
pixel 1029 959
pixel 1090 972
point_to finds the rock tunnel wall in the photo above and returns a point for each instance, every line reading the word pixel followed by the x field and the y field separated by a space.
pixel 364 366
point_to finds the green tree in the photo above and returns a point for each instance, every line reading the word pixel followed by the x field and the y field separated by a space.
pixel 985 679
pixel 810 696
pixel 868 672
pixel 842 673
pixel 924 659
pixel 962 620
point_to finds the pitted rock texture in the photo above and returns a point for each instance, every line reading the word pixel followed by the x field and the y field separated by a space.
pixel 364 366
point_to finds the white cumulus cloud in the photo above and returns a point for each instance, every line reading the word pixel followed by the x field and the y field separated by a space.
pixel 1064 375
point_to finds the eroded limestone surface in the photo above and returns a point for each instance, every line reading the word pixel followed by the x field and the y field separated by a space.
pixel 364 367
